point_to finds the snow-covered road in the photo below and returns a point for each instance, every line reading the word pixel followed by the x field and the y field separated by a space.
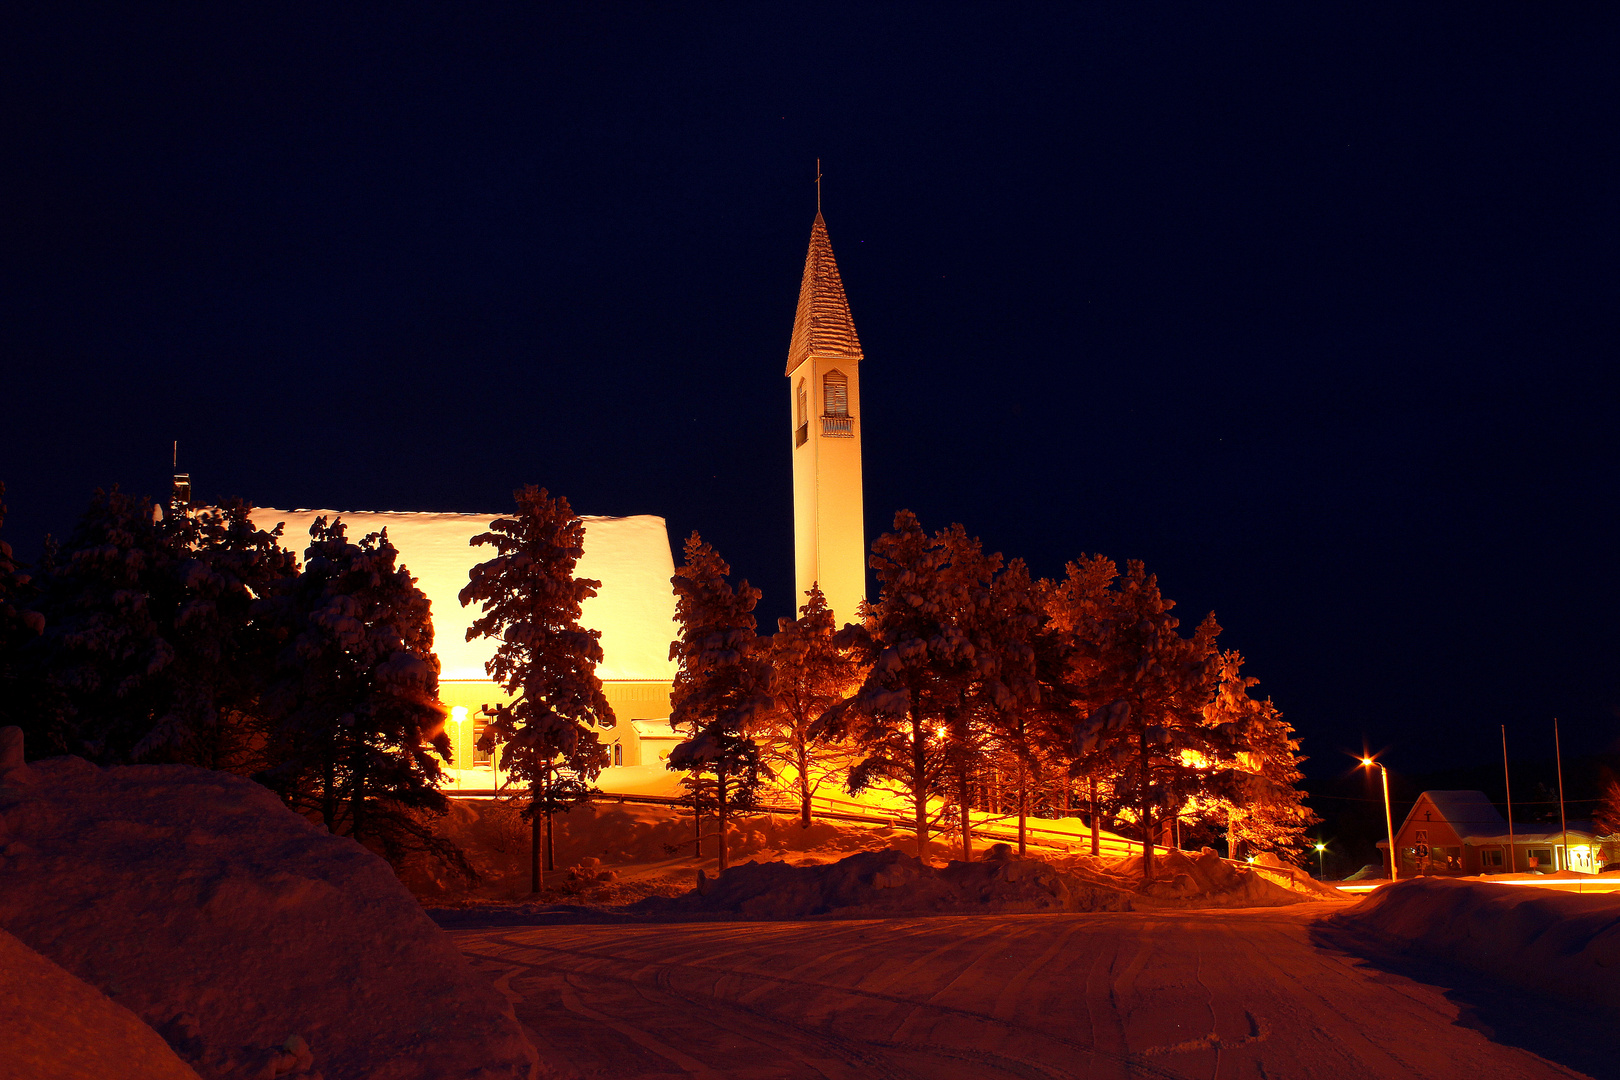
pixel 1207 994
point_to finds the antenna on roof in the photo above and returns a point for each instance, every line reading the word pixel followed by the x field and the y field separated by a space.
pixel 818 187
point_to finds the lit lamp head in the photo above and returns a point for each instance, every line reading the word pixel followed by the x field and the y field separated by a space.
pixel 458 714
pixel 1368 761
pixel 1321 847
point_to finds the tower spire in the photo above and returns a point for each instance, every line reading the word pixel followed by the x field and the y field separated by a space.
pixel 824 396
pixel 822 324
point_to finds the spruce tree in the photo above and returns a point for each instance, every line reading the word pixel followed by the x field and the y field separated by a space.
pixel 914 705
pixel 354 718
pixel 1074 608
pixel 1256 791
pixel 102 663
pixel 809 674
pixel 721 692
pixel 545 660
pixel 224 651
pixel 19 625
pixel 154 650
pixel 1019 684
pixel 1147 686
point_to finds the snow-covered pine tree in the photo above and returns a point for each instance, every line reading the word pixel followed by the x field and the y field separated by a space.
pixel 545 660
pixel 1255 793
pixel 809 675
pixel 19 624
pixel 354 717
pixel 920 664
pixel 1074 608
pixel 224 652
pixel 722 686
pixel 1148 686
pixel 101 665
pixel 1018 686
pixel 153 650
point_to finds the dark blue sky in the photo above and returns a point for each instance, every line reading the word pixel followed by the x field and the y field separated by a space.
pixel 1313 310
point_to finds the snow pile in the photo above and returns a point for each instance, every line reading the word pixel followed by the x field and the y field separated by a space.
pixel 1181 879
pixel 55 1027
pixel 649 847
pixel 1564 944
pixel 887 883
pixel 253 942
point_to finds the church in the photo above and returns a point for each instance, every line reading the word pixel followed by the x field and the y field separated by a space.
pixel 632 558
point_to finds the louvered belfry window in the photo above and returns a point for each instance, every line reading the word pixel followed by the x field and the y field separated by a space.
pixel 835 394
pixel 803 408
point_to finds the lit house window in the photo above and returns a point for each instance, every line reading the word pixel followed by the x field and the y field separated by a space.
pixel 835 418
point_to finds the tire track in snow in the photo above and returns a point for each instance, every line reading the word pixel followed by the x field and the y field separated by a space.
pixel 799 986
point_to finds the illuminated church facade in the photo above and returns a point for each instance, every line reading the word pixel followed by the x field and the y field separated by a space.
pixel 631 556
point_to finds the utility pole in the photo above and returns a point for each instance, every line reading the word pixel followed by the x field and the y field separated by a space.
pixel 1513 861
pixel 1563 825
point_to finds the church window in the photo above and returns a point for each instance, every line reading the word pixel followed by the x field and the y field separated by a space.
pixel 835 418
pixel 835 394
pixel 801 430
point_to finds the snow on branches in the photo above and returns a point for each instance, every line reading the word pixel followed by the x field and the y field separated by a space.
pixel 546 661
pixel 721 692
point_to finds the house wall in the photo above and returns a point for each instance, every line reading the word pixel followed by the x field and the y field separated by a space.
pixel 1437 834
pixel 630 700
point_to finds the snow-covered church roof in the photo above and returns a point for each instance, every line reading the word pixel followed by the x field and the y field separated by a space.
pixel 630 556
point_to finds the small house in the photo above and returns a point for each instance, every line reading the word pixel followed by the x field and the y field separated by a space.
pixel 1462 833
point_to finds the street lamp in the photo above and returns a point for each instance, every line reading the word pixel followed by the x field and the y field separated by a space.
pixel 1321 875
pixel 1389 819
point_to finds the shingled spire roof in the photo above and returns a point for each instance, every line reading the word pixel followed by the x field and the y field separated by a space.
pixel 823 324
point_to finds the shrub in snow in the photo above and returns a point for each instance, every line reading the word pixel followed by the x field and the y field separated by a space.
pixel 229 924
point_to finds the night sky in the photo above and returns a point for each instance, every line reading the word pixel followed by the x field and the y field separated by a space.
pixel 1313 311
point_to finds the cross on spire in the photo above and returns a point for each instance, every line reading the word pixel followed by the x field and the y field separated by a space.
pixel 818 187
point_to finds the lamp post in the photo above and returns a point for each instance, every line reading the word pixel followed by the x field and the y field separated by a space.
pixel 1389 819
pixel 1321 875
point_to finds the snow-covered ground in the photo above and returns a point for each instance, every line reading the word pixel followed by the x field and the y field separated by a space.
pixel 253 942
pixel 1224 994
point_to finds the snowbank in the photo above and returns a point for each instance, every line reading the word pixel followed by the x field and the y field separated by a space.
pixel 55 1027
pixel 1557 943
pixel 230 925
pixel 887 883
pixel 1181 880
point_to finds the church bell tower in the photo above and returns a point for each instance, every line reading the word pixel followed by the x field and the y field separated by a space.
pixel 824 395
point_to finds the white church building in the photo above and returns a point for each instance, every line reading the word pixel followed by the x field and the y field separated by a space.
pixel 631 556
